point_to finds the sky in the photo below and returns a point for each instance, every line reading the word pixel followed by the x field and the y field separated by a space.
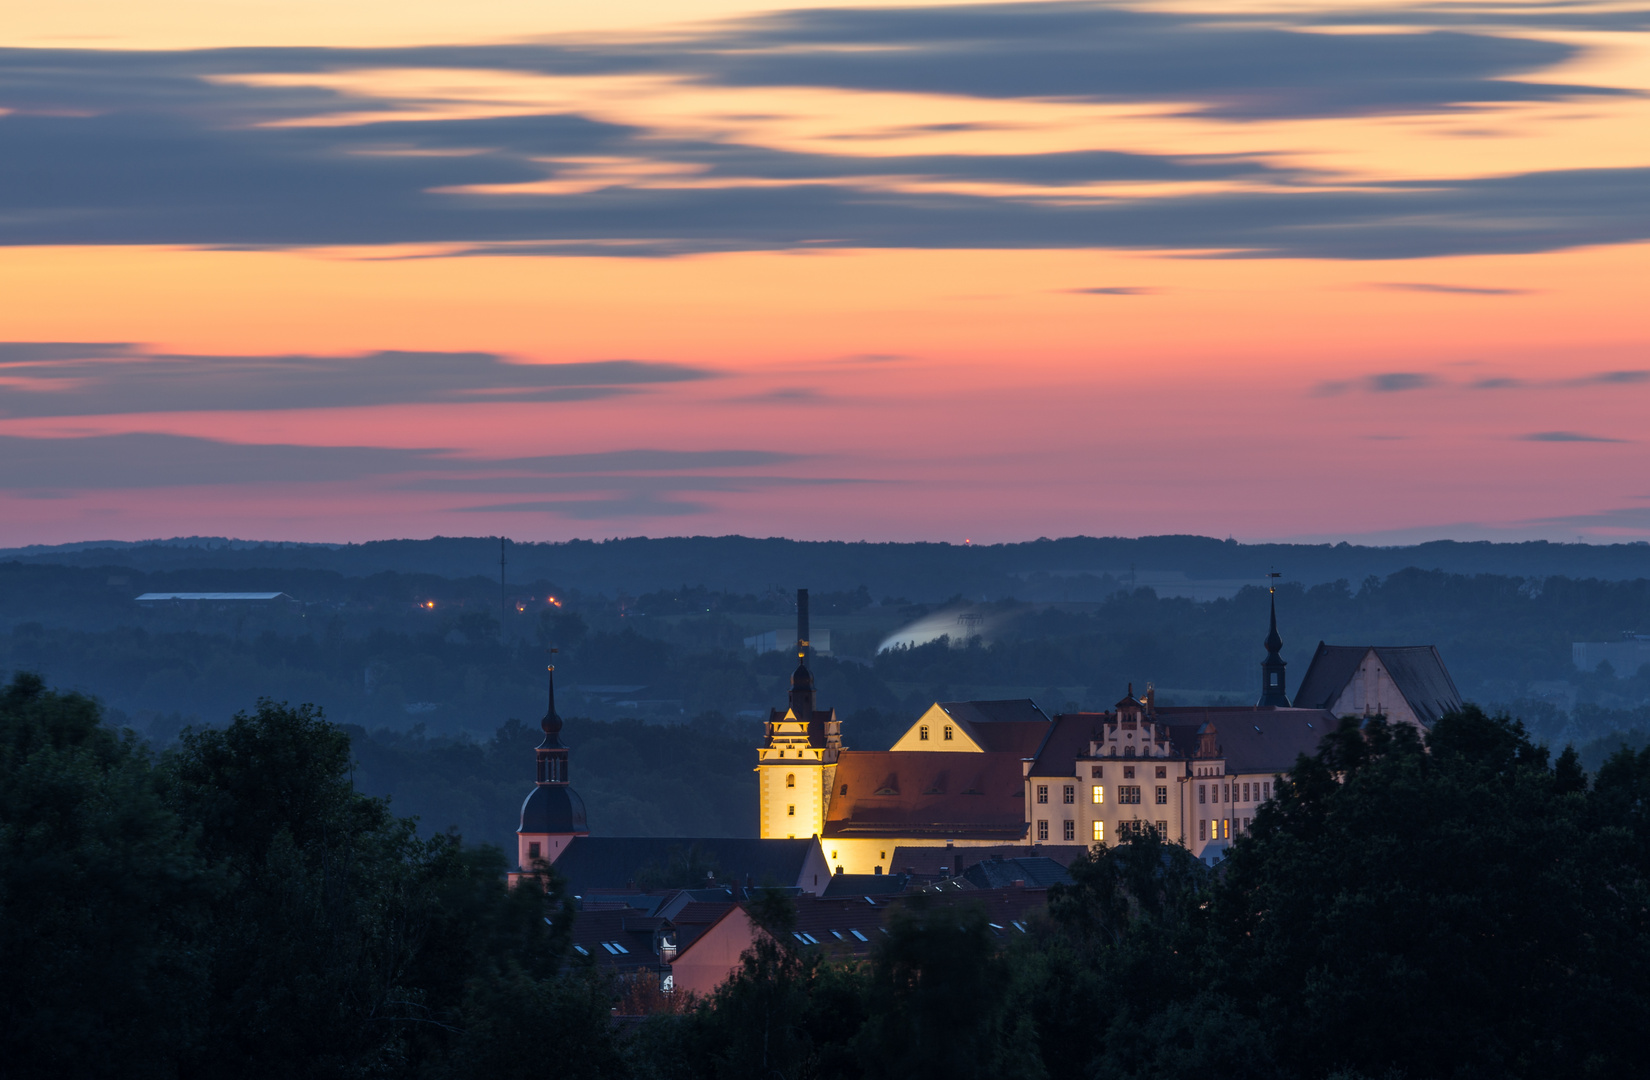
pixel 340 271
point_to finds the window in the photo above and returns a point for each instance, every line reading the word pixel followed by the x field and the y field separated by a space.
pixel 1070 794
pixel 1099 831
pixel 833 854
pixel 859 935
pixel 1274 678
pixel 1163 795
pixel 948 733
pixel 1042 793
pixel 533 850
pixel 1266 790
pixel 922 733
pixel 882 854
pixel 1162 772
pixel 790 811
pixel 1099 794
pixel 1203 828
pixel 1227 791
pixel 790 779
pixel 1070 831
pixel 581 950
pixel 1128 793
pixel 1042 830
pixel 1225 828
pixel 844 789
pixel 1201 792
pixel 1097 772
pixel 1128 751
pixel 1128 772
pixel 1163 829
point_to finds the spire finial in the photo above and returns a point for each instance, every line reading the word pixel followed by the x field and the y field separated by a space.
pixel 551 724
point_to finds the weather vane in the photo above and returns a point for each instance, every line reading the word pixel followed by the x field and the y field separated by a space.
pixel 1272 586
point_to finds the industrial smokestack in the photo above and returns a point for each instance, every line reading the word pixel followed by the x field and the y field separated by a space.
pixel 802 648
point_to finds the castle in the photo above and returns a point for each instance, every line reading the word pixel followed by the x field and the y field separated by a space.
pixel 990 774
pixel 974 775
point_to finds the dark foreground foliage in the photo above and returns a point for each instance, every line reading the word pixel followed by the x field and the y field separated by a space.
pixel 1463 907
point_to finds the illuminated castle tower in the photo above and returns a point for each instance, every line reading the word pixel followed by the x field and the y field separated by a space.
pixel 796 764
pixel 553 813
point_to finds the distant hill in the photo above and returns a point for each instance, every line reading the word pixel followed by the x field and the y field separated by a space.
pixel 1071 568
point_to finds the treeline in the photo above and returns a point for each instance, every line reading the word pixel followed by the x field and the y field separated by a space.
pixel 234 908
pixel 1464 906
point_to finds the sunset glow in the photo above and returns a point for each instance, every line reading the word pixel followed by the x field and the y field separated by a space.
pixel 878 272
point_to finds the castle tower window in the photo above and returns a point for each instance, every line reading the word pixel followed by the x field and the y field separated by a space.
pixel 790 779
pixel 790 811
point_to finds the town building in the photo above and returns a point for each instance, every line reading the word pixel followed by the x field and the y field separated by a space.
pixel 552 815
pixel 1407 684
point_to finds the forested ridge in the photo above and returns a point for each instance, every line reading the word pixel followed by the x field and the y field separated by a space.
pixel 1459 905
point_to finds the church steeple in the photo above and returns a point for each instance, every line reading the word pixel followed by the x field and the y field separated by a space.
pixel 552 755
pixel 1274 692
pixel 552 814
pixel 796 762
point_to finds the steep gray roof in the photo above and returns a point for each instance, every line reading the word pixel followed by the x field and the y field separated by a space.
pixel 1252 740
pixel 995 712
pixel 1417 670
pixel 1035 872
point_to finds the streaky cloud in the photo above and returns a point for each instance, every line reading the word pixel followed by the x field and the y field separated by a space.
pixel 1566 437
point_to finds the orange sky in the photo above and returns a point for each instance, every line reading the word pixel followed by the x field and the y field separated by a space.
pixel 1037 277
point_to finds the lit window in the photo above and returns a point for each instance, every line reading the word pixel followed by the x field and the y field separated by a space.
pixel 790 779
pixel 790 811
pixel 1042 793
pixel 1070 831
pixel 1225 828
pixel 1099 831
pixel 1070 794
pixel 948 733
pixel 1042 830
pixel 1162 795
pixel 922 733
pixel 1099 794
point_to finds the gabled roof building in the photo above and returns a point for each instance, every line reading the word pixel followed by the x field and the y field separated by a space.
pixel 1405 683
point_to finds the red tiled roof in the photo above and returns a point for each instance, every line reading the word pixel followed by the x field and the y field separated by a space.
pixel 924 792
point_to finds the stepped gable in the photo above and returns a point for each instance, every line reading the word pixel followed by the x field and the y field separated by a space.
pixel 890 793
pixel 1014 726
pixel 611 863
pixel 1417 671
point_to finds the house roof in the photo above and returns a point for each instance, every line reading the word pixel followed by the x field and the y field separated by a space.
pixel 1417 670
pixel 1250 740
pixel 850 926
pixel 816 723
pixel 1067 740
pixel 1037 872
pixel 888 793
pixel 553 808
pixel 858 886
pixel 1016 726
pixel 932 862
pixel 593 863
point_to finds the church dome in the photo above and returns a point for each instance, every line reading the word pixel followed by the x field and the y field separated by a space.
pixel 553 808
